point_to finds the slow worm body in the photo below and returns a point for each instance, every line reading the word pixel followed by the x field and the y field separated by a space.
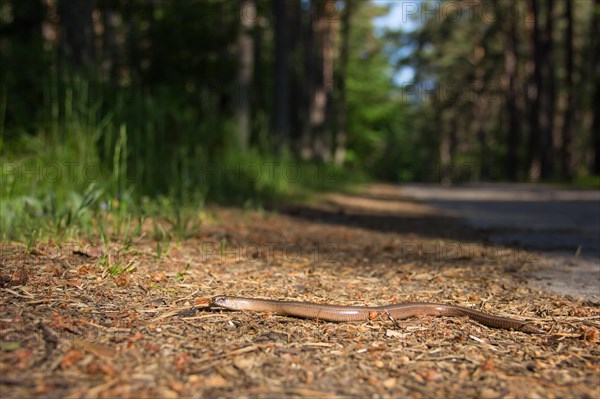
pixel 362 313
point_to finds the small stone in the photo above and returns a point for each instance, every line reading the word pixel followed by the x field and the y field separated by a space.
pixel 390 383
pixel 488 393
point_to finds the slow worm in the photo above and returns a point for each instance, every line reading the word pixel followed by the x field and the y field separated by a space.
pixel 398 311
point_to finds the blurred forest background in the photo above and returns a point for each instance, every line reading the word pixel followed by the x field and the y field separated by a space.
pixel 115 104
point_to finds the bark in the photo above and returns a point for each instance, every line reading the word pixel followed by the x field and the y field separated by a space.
pixel 480 108
pixel 77 36
pixel 547 96
pixel 311 72
pixel 297 103
pixel 109 43
pixel 510 93
pixel 342 106
pixel 535 89
pixel 280 98
pixel 595 130
pixel 245 71
pixel 446 142
pixel 27 21
pixel 328 31
pixel 566 151
pixel 317 137
pixel 480 116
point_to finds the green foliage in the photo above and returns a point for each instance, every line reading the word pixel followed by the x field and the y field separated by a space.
pixel 115 268
pixel 586 181
pixel 89 172
pixel 98 150
pixel 381 139
pixel 180 276
pixel 461 60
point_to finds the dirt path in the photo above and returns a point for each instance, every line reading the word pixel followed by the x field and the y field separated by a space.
pixel 69 328
pixel 561 225
pixel 541 217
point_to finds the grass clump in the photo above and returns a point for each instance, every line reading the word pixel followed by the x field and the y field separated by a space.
pixel 101 166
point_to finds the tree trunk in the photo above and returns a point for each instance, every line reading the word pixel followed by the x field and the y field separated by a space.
pixel 27 21
pixel 342 106
pixel 447 141
pixel 318 132
pixel 77 38
pixel 328 30
pixel 547 96
pixel 110 46
pixel 510 89
pixel 297 103
pixel 595 130
pixel 534 92
pixel 484 153
pixel 480 109
pixel 311 72
pixel 245 71
pixel 566 151
pixel 280 98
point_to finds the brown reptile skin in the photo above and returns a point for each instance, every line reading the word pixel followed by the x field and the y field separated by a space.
pixel 362 313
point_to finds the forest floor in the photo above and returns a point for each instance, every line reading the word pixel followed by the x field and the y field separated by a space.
pixel 81 320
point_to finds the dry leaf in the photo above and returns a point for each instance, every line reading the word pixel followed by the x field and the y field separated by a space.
pixel 215 381
pixel 96 348
pixel 123 280
pixel 23 355
pixel 390 383
pixel 70 359
pixel 181 361
pixel 487 365
pixel 244 362
pixel 158 277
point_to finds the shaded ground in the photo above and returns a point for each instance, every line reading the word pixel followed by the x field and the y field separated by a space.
pixel 562 225
pixel 541 217
pixel 70 329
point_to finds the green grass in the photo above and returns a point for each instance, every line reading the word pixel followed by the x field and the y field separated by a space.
pixel 592 182
pixel 31 213
pixel 98 167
